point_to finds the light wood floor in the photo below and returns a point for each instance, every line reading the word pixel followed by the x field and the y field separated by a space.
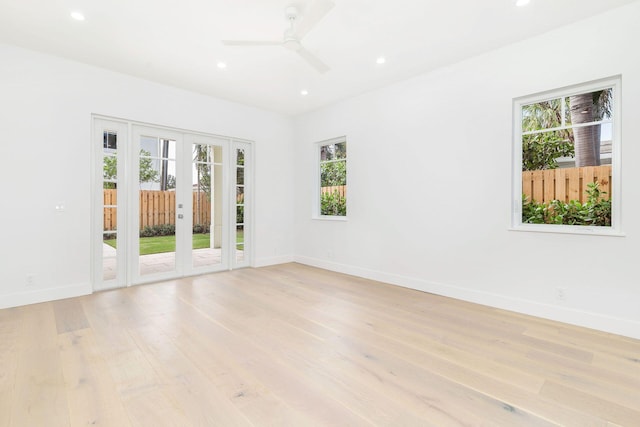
pixel 292 345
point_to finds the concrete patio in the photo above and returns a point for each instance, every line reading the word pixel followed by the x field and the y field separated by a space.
pixel 161 263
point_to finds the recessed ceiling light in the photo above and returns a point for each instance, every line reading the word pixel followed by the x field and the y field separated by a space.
pixel 521 3
pixel 222 65
pixel 78 16
pixel 381 60
pixel 304 92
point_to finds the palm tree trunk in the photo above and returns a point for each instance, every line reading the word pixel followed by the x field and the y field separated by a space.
pixel 587 138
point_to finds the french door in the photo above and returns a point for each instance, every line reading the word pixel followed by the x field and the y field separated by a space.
pixel 167 203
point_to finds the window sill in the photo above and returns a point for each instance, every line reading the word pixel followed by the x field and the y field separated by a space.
pixel 568 229
pixel 329 218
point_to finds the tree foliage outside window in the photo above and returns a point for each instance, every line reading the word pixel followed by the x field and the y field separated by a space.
pixel 333 179
pixel 202 161
pixel 541 150
pixel 569 126
pixel 333 204
pixel 333 174
pixel 147 172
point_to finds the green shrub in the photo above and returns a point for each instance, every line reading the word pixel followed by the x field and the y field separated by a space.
pixel 148 231
pixel 166 229
pixel 200 228
pixel 596 211
pixel 158 230
pixel 333 204
pixel 170 230
pixel 542 150
pixel 240 214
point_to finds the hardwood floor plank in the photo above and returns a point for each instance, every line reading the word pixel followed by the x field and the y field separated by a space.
pixel 91 392
pixel 395 332
pixel 590 404
pixel 69 315
pixel 146 399
pixel 594 380
pixel 301 352
pixel 39 397
pixel 260 361
pixel 259 404
pixel 547 407
pixel 197 332
pixel 291 345
pixel 614 366
pixel 256 331
pixel 199 399
pixel 10 329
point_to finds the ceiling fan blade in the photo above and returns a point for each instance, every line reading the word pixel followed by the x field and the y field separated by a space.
pixel 313 60
pixel 251 43
pixel 313 15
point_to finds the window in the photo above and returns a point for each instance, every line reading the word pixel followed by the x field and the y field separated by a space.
pixel 566 149
pixel 332 194
pixel 109 140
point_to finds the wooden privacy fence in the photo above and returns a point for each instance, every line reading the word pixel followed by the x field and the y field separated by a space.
pixel 341 189
pixel 565 184
pixel 157 208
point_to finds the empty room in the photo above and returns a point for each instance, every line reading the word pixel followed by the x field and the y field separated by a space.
pixel 320 213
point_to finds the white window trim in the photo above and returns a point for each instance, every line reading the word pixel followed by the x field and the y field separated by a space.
pixel 614 82
pixel 315 213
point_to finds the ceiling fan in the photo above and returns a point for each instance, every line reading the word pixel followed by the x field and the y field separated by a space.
pixel 298 28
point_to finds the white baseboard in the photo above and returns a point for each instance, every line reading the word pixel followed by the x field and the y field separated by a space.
pixel 43 295
pixel 264 262
pixel 552 312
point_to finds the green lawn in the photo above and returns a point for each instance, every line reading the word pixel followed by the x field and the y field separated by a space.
pixel 161 244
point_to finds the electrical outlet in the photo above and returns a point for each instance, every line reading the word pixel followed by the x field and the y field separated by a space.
pixel 31 280
pixel 561 294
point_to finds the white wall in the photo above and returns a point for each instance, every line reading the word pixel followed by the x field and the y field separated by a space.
pixel 429 177
pixel 45 120
pixel 429 174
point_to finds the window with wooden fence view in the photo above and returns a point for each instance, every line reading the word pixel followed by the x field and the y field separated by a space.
pixel 566 159
pixel 333 179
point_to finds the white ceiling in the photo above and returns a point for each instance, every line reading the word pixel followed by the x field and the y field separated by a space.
pixel 177 42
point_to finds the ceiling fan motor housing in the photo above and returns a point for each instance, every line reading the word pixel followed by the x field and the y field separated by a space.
pixel 291 12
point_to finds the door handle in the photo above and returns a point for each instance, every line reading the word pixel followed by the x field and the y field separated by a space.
pixel 180 216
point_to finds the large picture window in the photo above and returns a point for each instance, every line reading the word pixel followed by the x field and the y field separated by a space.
pixel 566 159
pixel 332 194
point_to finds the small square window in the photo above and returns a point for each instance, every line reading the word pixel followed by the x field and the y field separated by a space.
pixel 110 141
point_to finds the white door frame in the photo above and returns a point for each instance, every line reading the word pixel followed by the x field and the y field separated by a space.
pixel 122 130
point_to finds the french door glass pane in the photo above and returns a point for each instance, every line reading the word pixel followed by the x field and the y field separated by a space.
pixel 109 205
pixel 206 173
pixel 157 198
pixel 240 214
pixel 239 243
pixel 109 259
